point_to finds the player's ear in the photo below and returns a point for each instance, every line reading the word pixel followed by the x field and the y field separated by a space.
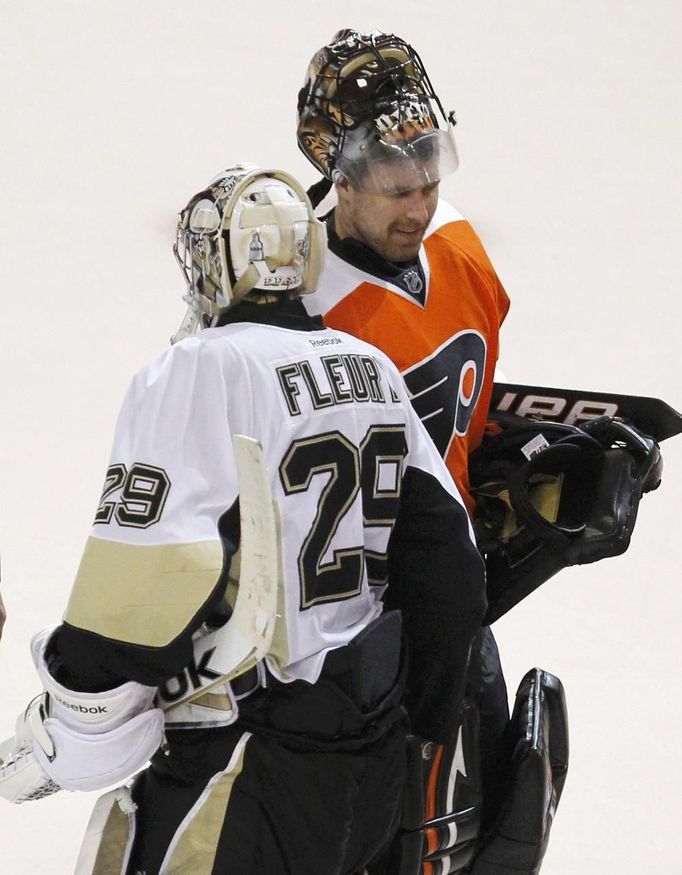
pixel 343 189
pixel 340 181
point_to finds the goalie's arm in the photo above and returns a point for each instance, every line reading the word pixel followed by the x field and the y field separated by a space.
pixel 156 564
pixel 154 570
pixel 87 661
pixel 437 579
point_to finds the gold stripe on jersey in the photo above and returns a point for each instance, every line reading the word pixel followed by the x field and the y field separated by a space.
pixel 195 845
pixel 120 586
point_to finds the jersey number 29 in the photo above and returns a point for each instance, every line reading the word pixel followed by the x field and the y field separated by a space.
pixel 350 470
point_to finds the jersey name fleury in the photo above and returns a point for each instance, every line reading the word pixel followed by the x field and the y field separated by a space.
pixel 332 380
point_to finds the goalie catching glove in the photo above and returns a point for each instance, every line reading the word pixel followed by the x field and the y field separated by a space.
pixel 549 495
pixel 77 741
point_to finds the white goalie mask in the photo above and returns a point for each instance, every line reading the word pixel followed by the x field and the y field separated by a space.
pixel 250 229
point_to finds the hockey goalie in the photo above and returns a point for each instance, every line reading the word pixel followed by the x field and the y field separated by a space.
pixel 408 273
pixel 269 483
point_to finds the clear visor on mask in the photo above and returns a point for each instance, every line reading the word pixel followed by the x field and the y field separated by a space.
pixel 397 161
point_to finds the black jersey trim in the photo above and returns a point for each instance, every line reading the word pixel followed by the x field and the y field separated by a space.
pixel 284 313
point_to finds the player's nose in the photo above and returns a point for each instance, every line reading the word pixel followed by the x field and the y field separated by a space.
pixel 417 209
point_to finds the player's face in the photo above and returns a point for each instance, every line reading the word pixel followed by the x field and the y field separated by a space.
pixel 393 224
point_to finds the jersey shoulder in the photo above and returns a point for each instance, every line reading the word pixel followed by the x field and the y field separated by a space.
pixel 169 381
pixel 215 347
pixel 445 214
pixel 451 241
pixel 357 344
pixel 449 230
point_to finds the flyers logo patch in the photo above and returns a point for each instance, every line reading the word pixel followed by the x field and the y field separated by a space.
pixel 445 387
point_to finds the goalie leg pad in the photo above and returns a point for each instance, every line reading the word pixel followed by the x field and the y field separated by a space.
pixel 109 836
pixel 518 839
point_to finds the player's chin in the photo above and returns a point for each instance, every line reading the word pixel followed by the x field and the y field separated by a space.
pixel 405 246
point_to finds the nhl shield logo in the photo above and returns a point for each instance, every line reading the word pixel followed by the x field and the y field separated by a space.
pixel 413 282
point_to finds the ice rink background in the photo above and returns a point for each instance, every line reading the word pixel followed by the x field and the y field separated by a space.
pixel 114 113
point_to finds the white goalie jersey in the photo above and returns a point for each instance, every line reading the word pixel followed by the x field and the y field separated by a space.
pixel 338 434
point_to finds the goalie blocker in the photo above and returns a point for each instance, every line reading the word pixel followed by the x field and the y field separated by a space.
pixel 77 741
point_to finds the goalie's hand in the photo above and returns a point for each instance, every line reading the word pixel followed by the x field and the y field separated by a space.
pixel 77 741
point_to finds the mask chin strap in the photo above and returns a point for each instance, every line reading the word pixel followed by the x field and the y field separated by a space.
pixel 317 248
pixel 189 326
pixel 245 283
pixel 319 191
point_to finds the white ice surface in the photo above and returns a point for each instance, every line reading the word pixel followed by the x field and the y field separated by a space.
pixel 114 112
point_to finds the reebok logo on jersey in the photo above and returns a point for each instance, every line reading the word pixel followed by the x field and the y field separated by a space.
pixel 325 341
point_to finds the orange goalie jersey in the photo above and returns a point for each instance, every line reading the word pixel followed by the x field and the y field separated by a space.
pixel 438 322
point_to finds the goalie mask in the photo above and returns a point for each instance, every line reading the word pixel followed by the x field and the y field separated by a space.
pixel 367 108
pixel 550 495
pixel 251 230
